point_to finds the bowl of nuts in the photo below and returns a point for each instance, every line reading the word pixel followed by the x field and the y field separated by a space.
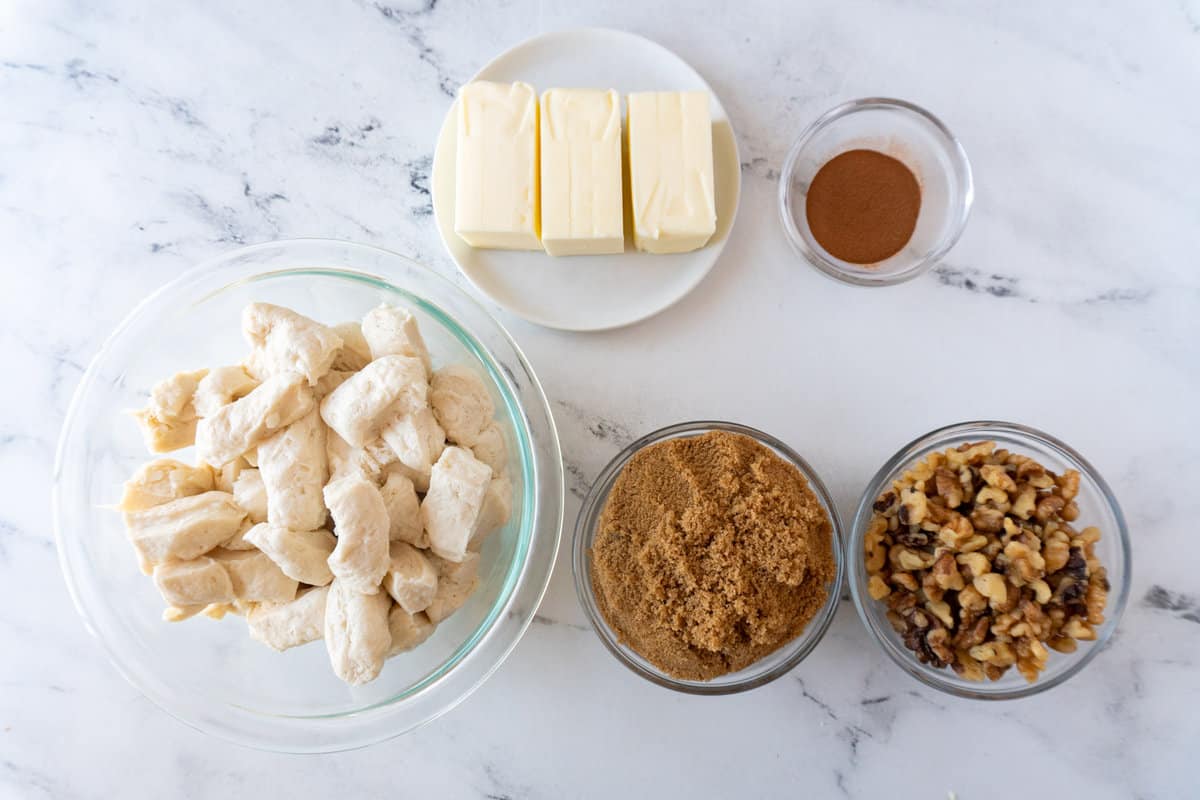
pixel 990 560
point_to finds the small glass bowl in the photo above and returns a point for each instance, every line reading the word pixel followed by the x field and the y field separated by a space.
pixel 1097 506
pixel 901 130
pixel 765 669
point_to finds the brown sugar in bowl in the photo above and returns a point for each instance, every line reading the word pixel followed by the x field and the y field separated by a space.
pixel 721 664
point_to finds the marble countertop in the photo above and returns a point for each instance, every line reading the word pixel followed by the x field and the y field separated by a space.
pixel 138 138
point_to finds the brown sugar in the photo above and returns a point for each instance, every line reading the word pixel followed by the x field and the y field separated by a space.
pixel 711 553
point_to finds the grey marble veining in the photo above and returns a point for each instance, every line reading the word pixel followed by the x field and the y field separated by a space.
pixel 139 138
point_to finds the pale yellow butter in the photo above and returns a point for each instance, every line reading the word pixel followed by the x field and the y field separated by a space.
pixel 581 172
pixel 671 171
pixel 496 181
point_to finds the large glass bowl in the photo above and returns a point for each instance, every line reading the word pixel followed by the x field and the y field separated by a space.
pixel 766 669
pixel 210 674
pixel 1097 506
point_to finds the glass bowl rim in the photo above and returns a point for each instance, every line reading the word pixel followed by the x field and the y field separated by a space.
pixel 513 582
pixel 818 259
pixel 935 440
pixel 803 644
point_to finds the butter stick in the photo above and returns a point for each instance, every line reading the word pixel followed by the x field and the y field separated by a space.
pixel 671 171
pixel 496 181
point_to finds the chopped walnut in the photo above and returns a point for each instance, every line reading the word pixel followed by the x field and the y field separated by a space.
pixel 974 554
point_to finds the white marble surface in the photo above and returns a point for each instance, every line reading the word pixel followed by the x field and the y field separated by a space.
pixel 137 138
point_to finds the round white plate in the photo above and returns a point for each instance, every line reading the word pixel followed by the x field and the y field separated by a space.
pixel 588 293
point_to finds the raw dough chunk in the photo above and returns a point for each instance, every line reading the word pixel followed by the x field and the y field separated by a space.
pixel 461 403
pixel 408 630
pixel 489 447
pixel 360 519
pixel 220 387
pixel 285 341
pixel 451 507
pixel 251 494
pixel 162 481
pixel 256 578
pixel 455 584
pixel 411 579
pixel 417 441
pixel 302 555
pixel 281 626
pixel 227 475
pixel 185 528
pixel 365 461
pixel 236 428
pixel 356 409
pixel 404 509
pixel 392 331
pixel 294 469
pixel 168 421
pixel 180 613
pixel 238 540
pixel 330 381
pixel 495 512
pixel 357 635
pixel 199 581
pixel 355 353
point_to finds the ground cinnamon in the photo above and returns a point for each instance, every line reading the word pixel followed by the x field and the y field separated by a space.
pixel 862 206
pixel 711 553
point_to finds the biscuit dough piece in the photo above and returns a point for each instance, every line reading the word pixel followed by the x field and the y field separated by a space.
pixel 183 529
pixel 417 440
pixel 411 580
pixel 200 581
pixel 461 403
pixel 282 626
pixel 227 475
pixel 236 428
pixel 168 421
pixel 256 578
pixel 360 519
pixel 391 331
pixel 294 470
pixel 404 508
pixel 251 494
pixel 302 555
pixel 358 408
pixel 495 511
pixel 489 447
pixel 330 381
pixel 284 341
pixel 408 630
pixel 180 613
pixel 220 387
pixel 451 507
pixel 238 540
pixel 456 582
pixel 163 480
pixel 357 634
pixel 369 461
pixel 355 353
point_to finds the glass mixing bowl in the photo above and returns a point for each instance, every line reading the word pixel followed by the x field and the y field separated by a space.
pixel 211 674
pixel 765 669
pixel 1097 506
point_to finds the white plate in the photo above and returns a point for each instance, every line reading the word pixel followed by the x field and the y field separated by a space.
pixel 588 293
